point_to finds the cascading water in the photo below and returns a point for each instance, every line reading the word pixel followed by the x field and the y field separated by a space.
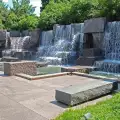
pixel 60 46
pixel 15 45
pixel 111 64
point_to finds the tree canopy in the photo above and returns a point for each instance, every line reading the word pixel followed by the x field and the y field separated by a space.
pixel 44 4
pixel 21 15
pixel 3 14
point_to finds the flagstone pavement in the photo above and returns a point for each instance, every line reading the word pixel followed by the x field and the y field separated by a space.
pixel 21 99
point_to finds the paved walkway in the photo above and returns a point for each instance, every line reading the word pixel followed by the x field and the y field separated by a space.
pixel 21 99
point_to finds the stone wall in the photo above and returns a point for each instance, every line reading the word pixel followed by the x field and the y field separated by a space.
pixel 26 67
pixel 29 43
pixel 94 25
pixel 3 35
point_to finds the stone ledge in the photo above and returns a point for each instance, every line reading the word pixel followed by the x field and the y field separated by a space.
pixel 77 94
pixel 29 77
pixel 93 76
pixel 82 69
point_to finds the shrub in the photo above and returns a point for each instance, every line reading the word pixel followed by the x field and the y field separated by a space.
pixel 1 24
pixel 28 22
pixel 54 14
pixel 107 8
pixel 12 22
pixel 64 12
pixel 80 10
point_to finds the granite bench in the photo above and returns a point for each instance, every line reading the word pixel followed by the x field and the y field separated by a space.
pixel 76 94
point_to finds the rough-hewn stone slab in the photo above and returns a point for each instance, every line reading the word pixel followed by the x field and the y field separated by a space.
pixel 27 67
pixel 38 77
pixel 3 35
pixel 76 94
pixel 95 25
pixel 15 34
pixel 9 59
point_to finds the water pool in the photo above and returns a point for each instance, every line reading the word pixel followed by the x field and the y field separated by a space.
pixel 48 70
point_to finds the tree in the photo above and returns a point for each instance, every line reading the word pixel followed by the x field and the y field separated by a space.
pixel 44 3
pixel 107 8
pixel 28 22
pixel 80 10
pixel 22 7
pixel 21 16
pixel 12 21
pixel 54 13
pixel 3 13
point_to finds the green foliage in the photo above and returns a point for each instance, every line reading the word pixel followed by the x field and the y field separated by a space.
pixel 22 7
pixel 21 16
pixel 80 10
pixel 1 24
pixel 107 110
pixel 107 8
pixel 3 14
pixel 64 12
pixel 12 21
pixel 28 22
pixel 44 3
pixel 53 14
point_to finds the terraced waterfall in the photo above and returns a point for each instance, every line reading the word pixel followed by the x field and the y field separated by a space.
pixel 62 45
pixel 111 63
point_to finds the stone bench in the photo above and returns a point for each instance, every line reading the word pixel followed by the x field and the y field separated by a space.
pixel 77 94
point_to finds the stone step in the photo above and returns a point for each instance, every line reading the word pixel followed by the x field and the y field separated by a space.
pixel 88 61
pixel 9 59
pixel 92 52
pixel 77 94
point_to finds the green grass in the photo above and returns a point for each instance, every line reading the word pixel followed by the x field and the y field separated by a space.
pixel 107 110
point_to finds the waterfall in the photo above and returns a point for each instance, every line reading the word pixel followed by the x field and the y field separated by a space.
pixel 111 64
pixel 60 46
pixel 15 47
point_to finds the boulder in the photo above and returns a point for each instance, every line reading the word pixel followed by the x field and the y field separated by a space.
pixel 32 40
pixel 35 36
pixel 94 25
pixel 3 35
pixel 15 33
pixel 80 93
pixel 25 33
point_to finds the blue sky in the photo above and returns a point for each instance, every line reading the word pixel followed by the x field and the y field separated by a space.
pixel 36 3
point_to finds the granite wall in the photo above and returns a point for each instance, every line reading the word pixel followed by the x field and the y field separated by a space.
pixel 3 36
pixel 26 67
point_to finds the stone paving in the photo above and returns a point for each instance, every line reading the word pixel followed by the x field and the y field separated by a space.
pixel 21 99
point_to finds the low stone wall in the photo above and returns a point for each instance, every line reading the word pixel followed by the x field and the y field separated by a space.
pixel 81 69
pixel 26 67
pixel 1 66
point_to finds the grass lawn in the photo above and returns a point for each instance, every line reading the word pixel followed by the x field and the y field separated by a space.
pixel 107 110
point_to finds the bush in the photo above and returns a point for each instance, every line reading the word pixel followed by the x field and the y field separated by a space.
pixel 107 8
pixel 54 14
pixel 64 12
pixel 80 10
pixel 12 22
pixel 1 24
pixel 28 22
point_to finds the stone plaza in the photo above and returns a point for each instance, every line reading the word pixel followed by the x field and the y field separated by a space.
pixel 21 99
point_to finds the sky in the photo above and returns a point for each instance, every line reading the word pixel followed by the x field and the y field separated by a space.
pixel 35 3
